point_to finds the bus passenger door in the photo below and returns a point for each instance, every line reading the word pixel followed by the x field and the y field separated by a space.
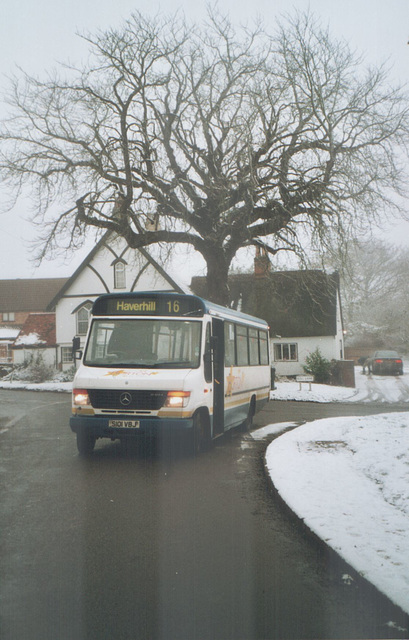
pixel 218 376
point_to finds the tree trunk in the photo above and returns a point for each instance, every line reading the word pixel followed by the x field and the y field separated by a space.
pixel 216 279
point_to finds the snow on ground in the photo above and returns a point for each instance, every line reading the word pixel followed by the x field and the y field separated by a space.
pixel 65 387
pixel 368 388
pixel 347 478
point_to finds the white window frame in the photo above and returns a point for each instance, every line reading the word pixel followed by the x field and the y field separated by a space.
pixel 66 355
pixel 285 352
pixel 120 275
pixel 84 308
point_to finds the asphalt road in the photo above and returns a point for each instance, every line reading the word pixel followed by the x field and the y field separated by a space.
pixel 139 544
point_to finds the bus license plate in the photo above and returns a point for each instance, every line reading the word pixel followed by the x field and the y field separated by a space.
pixel 124 424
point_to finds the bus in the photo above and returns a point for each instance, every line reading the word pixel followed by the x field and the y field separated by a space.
pixel 164 363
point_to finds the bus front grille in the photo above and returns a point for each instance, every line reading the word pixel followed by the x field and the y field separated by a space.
pixel 127 399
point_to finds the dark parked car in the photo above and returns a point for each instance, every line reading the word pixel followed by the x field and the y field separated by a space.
pixel 383 362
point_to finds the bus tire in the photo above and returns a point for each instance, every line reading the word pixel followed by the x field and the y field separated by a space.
pixel 85 443
pixel 200 433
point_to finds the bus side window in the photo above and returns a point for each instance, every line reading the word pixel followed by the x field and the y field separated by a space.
pixel 264 355
pixel 207 356
pixel 229 345
pixel 253 347
pixel 242 346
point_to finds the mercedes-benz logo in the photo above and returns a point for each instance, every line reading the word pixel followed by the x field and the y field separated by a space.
pixel 125 399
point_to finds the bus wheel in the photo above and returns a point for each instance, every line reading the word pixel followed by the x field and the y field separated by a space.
pixel 85 443
pixel 200 433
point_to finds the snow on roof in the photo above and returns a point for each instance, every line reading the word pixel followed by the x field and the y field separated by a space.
pixel 38 330
pixel 9 333
pixel 29 339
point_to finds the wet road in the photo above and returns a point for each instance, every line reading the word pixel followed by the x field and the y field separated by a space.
pixel 150 545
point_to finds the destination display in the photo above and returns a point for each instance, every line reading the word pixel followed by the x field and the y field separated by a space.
pixel 148 305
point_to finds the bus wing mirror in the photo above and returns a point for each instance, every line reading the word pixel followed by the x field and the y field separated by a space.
pixel 76 352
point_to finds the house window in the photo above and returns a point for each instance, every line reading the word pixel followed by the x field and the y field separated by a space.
pixel 285 351
pixel 119 275
pixel 66 355
pixel 9 317
pixel 83 319
pixel 4 352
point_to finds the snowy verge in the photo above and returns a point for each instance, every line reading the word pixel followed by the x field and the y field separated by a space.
pixel 368 388
pixel 318 393
pixel 348 479
pixel 64 387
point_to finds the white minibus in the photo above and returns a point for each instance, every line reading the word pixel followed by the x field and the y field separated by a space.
pixel 157 363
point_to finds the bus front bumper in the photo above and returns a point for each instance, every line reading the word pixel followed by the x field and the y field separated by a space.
pixel 107 426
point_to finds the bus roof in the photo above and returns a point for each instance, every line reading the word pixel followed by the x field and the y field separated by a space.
pixel 168 303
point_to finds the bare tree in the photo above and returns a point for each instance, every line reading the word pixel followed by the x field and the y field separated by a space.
pixel 375 293
pixel 215 137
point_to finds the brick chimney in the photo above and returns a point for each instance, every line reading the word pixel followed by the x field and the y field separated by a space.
pixel 261 262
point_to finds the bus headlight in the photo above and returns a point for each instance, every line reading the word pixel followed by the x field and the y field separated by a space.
pixel 80 397
pixel 177 399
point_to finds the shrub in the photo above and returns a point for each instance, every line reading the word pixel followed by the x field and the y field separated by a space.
pixel 38 370
pixel 318 366
pixel 65 376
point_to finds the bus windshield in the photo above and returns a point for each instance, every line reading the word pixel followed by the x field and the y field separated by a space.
pixel 147 343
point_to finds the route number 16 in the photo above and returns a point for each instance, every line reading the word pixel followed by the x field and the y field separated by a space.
pixel 173 306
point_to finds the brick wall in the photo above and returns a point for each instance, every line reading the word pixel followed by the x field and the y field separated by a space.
pixel 19 318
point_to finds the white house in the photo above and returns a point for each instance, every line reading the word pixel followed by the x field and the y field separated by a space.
pixel 303 309
pixel 289 353
pixel 111 266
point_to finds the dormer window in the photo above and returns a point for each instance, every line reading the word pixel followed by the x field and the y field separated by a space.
pixel 120 274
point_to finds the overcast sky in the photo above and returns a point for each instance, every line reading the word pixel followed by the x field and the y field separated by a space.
pixel 37 34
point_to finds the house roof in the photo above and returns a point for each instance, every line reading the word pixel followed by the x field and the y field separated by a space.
pixel 294 303
pixel 8 333
pixel 38 331
pixel 102 242
pixel 32 294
